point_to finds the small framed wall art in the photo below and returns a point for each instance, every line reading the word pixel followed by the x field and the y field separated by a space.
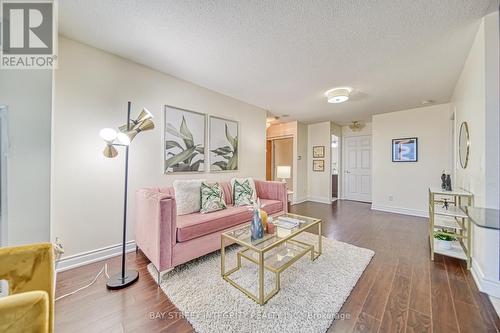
pixel 319 165
pixel 223 144
pixel 184 143
pixel 318 151
pixel 405 150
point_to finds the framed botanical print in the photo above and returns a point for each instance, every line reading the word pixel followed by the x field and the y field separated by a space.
pixel 184 146
pixel 223 144
pixel 319 152
pixel 405 150
pixel 318 165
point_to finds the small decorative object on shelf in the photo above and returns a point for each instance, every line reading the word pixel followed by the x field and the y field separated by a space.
pixel 443 180
pixel 446 204
pixel 256 228
pixel 448 183
pixel 444 240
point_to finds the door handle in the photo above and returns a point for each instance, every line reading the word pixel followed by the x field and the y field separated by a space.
pixel 347 171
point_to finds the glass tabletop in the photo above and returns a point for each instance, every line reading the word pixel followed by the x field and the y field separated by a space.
pixel 243 236
pixel 484 217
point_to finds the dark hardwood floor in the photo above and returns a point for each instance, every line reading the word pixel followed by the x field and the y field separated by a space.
pixel 401 290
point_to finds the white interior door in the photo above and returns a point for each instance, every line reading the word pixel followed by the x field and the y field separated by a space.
pixel 358 168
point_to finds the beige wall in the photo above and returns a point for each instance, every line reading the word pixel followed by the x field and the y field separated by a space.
pixel 475 100
pixel 319 182
pixel 283 155
pixel 92 88
pixel 407 183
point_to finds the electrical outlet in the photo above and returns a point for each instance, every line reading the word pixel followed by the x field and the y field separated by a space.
pixel 391 198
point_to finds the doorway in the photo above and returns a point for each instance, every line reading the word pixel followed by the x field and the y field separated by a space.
pixel 335 166
pixel 279 160
pixel 357 168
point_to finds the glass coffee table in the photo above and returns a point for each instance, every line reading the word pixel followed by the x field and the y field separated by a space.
pixel 274 252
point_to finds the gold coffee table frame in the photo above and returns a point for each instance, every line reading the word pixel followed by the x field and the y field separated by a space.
pixel 249 246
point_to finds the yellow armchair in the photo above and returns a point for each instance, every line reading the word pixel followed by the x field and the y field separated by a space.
pixel 29 271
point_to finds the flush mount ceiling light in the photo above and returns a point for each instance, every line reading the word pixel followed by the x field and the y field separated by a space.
pixel 338 95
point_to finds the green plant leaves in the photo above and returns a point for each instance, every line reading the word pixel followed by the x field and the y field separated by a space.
pixel 179 157
pixel 232 141
pixel 169 144
pixel 183 161
pixel 229 153
pixel 186 133
pixel 232 163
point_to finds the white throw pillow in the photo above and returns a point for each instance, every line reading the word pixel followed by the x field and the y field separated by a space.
pixel 187 196
pixel 241 180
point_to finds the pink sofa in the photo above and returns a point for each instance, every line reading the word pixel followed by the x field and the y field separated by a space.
pixel 169 240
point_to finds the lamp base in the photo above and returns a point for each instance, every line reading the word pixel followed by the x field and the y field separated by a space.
pixel 116 281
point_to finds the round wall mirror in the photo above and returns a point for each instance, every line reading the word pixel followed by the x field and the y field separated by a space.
pixel 463 145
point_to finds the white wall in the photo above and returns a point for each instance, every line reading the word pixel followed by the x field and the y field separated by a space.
pixel 92 88
pixel 319 182
pixel 407 183
pixel 302 163
pixel 475 100
pixel 28 94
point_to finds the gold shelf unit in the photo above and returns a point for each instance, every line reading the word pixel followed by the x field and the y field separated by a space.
pixel 452 222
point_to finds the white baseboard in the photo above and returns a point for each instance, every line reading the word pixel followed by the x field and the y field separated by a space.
pixel 320 200
pixel 299 201
pixel 399 210
pixel 89 257
pixel 490 287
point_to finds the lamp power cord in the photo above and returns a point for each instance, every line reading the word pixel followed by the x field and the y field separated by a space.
pixel 104 269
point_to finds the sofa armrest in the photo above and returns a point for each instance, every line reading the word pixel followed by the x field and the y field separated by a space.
pixel 273 190
pixel 155 226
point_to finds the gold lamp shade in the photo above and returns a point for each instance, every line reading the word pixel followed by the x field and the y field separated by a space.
pixel 144 115
pixel 145 125
pixel 110 151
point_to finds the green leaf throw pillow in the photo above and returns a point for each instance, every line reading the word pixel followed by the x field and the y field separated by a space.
pixel 242 193
pixel 212 198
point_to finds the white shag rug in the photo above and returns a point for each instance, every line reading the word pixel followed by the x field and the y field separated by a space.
pixel 311 295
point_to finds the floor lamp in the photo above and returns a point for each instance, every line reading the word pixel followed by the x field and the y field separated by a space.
pixel 122 138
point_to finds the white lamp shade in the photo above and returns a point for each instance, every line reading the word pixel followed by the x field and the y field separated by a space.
pixel 123 139
pixel 283 171
pixel 108 134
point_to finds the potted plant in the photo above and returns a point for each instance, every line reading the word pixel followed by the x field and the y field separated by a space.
pixel 444 241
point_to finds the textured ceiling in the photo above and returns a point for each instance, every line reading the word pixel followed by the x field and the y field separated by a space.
pixel 283 55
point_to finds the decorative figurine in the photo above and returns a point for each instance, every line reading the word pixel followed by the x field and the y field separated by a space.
pixel 446 204
pixel 448 183
pixel 256 228
pixel 443 180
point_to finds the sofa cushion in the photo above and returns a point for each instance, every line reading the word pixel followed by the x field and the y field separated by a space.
pixel 196 225
pixel 212 198
pixel 243 193
pixel 187 195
